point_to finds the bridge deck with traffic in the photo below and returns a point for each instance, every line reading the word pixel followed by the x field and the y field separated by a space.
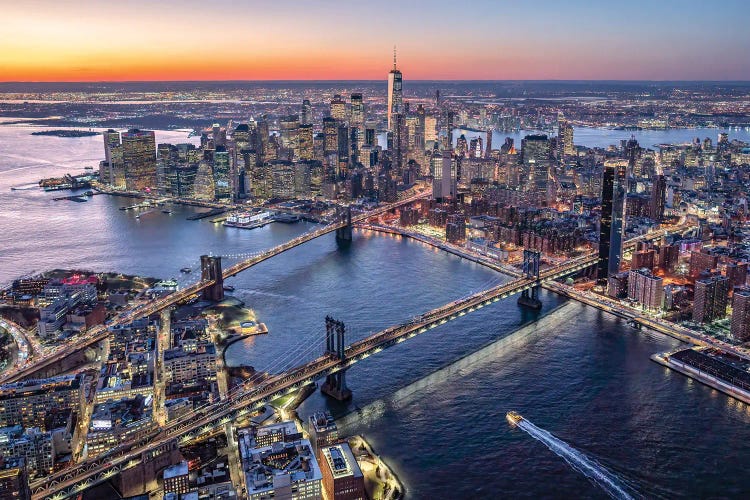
pixel 206 420
pixel 101 332
pixel 202 422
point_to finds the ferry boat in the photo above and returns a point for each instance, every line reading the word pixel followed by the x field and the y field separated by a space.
pixel 513 417
pixel 186 270
pixel 228 288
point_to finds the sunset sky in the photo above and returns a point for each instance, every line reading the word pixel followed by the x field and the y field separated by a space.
pixel 91 40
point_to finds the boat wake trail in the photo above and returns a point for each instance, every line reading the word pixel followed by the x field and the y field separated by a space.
pixel 589 467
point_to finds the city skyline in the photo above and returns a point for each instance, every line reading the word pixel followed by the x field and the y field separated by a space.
pixel 232 264
pixel 321 41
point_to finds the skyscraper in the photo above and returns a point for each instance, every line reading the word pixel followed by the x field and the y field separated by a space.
pixel 139 159
pixel 165 163
pixel 612 219
pixel 330 145
pixel 290 134
pixel 282 180
pixel 395 98
pixel 342 148
pixel 448 118
pixel 306 117
pixel 430 128
pixel 222 175
pixel 306 142
pixel 203 184
pixel 357 111
pixel 444 174
pixel 646 289
pixel 357 120
pixel 419 130
pixel 740 325
pixel 338 108
pixel 112 170
pixel 736 273
pixel 400 142
pixel 536 161
pixel 111 139
pixel 710 300
pixel 565 139
pixel 658 197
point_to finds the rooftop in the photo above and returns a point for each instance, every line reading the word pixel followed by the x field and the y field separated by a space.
pixel 180 469
pixel 341 461
pixel 120 413
pixel 287 428
pixel 279 465
pixel 26 388
pixel 322 421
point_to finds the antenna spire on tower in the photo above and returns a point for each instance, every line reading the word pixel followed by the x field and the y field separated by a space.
pixel 394 57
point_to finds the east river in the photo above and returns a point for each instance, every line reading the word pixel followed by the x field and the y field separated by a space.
pixel 582 375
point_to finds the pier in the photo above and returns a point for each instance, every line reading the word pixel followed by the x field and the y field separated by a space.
pixel 730 380
pixel 205 215
pixel 81 197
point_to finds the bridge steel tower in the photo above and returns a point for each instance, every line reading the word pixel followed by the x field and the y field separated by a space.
pixel 335 384
pixel 211 271
pixel 344 234
pixel 531 271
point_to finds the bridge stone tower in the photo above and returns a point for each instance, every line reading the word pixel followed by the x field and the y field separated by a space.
pixel 531 271
pixel 211 271
pixel 344 234
pixel 335 384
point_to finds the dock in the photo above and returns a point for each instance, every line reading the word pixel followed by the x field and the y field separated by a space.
pixel 205 215
pixel 80 198
pixel 145 204
pixel 702 376
pixel 253 225
pixel 68 181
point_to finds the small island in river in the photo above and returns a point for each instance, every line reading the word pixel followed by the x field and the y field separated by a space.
pixel 66 133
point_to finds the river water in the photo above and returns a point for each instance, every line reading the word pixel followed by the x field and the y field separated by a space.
pixel 603 137
pixel 582 375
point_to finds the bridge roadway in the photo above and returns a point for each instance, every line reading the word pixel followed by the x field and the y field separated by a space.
pixel 204 421
pixel 101 332
pixel 304 238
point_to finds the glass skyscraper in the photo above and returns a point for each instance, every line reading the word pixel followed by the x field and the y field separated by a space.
pixel 612 222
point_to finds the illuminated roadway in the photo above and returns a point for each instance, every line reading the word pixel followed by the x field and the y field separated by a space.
pixel 101 332
pixel 641 318
pixel 203 421
pixel 604 303
pixel 98 333
pixel 26 347
pixel 188 427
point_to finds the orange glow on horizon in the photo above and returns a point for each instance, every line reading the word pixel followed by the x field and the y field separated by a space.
pixel 142 66
pixel 96 40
